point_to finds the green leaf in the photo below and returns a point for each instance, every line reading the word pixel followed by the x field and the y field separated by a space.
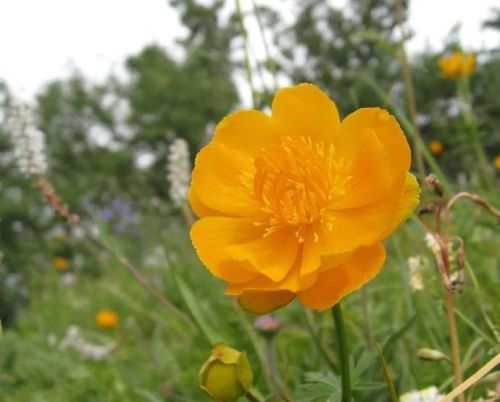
pixel 148 395
pixel 200 318
pixel 320 385
pixel 387 374
pixel 368 386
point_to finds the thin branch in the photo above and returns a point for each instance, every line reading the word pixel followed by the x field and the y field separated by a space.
pixel 63 210
pixel 477 199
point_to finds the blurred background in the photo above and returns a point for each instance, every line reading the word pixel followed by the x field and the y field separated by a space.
pixel 113 83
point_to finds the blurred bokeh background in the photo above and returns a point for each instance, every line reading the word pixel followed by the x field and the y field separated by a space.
pixel 112 83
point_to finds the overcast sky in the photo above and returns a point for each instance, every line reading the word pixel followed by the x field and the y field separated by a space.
pixel 45 39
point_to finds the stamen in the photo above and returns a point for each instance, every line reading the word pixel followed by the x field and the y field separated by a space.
pixel 296 180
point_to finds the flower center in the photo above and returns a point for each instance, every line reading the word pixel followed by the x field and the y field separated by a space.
pixel 296 180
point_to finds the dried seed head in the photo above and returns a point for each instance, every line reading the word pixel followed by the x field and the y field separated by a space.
pixel 434 184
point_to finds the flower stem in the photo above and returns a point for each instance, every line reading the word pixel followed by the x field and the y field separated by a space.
pixel 271 64
pixel 253 396
pixel 273 365
pixel 410 94
pixel 469 119
pixel 365 301
pixel 343 352
pixel 248 64
pixel 455 347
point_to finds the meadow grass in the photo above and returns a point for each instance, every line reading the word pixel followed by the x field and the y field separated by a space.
pixel 157 356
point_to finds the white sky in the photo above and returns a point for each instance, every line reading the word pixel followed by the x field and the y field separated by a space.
pixel 42 40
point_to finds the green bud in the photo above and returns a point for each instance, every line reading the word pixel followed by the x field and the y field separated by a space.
pixel 432 355
pixel 226 375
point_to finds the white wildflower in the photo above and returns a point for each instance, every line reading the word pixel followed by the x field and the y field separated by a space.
pixel 415 265
pixel 69 279
pixel 75 340
pixel 432 243
pixel 430 394
pixel 28 141
pixel 179 171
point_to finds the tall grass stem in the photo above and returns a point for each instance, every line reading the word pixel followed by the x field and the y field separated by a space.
pixel 248 66
pixel 455 346
pixel 410 94
pixel 270 63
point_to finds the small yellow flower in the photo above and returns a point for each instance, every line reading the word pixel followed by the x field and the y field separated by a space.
pixel 457 65
pixel 61 264
pixel 106 319
pixel 496 162
pixel 226 375
pixel 436 147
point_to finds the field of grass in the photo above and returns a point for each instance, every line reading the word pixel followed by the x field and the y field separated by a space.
pixel 155 355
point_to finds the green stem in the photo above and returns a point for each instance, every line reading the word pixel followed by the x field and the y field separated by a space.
pixel 269 61
pixel 248 66
pixel 308 319
pixel 343 352
pixel 254 340
pixel 273 365
pixel 253 396
pixel 472 130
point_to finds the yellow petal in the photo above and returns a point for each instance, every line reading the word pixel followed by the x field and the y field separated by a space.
pixel 370 175
pixel 310 252
pixel 198 207
pixel 347 229
pixel 222 181
pixel 337 282
pixel 293 282
pixel 273 255
pixel 264 302
pixel 245 131
pixel 213 235
pixel 409 200
pixel 382 124
pixel 305 111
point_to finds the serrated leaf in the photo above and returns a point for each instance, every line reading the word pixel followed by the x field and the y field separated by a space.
pixel 365 361
pixel 320 385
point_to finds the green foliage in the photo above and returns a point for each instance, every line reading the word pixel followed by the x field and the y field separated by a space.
pixel 97 134
pixel 339 44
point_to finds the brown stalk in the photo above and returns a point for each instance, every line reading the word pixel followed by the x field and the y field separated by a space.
pixel 59 206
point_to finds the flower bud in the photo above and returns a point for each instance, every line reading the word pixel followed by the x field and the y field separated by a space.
pixel 267 325
pixel 431 355
pixel 226 375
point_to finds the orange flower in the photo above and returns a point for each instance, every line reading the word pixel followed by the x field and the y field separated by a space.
pixel 496 162
pixel 436 147
pixel 298 203
pixel 457 65
pixel 106 319
pixel 60 264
